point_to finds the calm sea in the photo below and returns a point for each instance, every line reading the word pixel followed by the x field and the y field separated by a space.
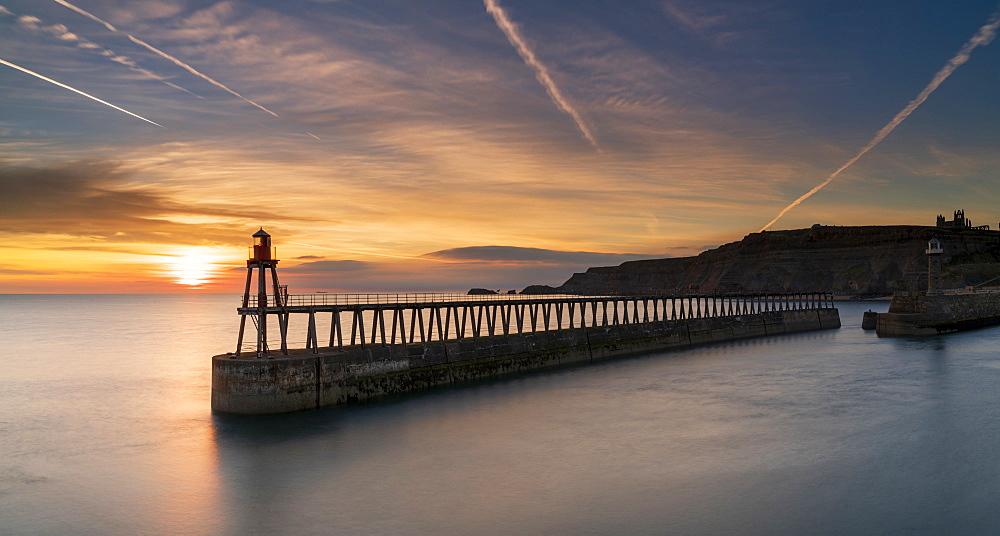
pixel 105 429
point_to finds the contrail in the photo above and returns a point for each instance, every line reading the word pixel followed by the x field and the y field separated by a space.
pixel 541 73
pixel 47 79
pixel 88 15
pixel 163 54
pixel 193 71
pixel 982 38
pixel 62 33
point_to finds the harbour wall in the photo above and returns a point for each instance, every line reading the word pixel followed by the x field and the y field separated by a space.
pixel 334 377
pixel 920 313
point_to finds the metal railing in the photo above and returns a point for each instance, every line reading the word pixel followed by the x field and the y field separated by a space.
pixel 408 297
pixel 323 298
pixel 407 318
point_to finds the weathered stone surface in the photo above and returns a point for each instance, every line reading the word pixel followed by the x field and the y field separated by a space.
pixel 263 385
pixel 919 313
pixel 855 261
pixel 335 377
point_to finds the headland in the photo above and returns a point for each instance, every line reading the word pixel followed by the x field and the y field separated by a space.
pixel 850 262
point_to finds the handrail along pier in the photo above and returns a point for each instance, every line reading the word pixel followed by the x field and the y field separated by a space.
pixel 394 319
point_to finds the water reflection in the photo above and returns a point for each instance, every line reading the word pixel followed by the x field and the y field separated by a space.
pixel 835 432
pixel 772 435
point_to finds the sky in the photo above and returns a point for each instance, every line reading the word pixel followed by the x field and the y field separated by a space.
pixel 440 145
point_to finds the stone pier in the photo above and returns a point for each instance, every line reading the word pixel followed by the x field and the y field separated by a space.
pixel 339 375
pixel 931 313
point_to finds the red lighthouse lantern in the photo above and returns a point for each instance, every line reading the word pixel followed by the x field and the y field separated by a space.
pixel 263 258
pixel 261 250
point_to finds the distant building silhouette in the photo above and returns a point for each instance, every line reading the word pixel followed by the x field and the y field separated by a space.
pixel 959 221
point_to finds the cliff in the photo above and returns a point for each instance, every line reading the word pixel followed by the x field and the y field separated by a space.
pixel 857 261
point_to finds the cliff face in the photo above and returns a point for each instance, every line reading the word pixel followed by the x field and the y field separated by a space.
pixel 857 261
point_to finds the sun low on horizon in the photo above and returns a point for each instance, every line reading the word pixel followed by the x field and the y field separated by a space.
pixel 446 145
pixel 194 267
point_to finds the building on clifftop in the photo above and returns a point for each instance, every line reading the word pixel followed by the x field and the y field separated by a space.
pixel 959 221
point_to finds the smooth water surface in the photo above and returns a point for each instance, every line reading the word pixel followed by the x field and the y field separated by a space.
pixel 105 428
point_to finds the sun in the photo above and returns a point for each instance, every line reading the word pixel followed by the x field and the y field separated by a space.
pixel 193 267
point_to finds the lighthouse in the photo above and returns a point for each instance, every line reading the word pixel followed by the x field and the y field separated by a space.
pixel 264 259
pixel 934 252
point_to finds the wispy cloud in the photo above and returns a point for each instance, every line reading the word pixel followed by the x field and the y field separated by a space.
pixel 364 276
pixel 197 73
pixel 164 55
pixel 513 254
pixel 983 37
pixel 98 201
pixel 366 252
pixel 47 79
pixel 62 33
pixel 691 18
pixel 713 22
pixel 331 267
pixel 541 72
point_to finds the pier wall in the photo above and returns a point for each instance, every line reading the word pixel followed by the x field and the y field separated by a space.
pixel 919 313
pixel 332 377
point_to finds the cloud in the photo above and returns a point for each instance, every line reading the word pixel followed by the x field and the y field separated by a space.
pixel 332 267
pixel 166 56
pixel 532 255
pixel 62 33
pixel 495 267
pixel 9 270
pixel 197 73
pixel 95 200
pixel 720 23
pixel 416 276
pixel 691 18
pixel 148 10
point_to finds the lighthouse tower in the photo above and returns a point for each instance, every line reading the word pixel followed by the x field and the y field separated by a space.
pixel 263 259
pixel 934 252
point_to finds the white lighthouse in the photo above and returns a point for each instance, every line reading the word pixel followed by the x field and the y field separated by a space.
pixel 934 252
